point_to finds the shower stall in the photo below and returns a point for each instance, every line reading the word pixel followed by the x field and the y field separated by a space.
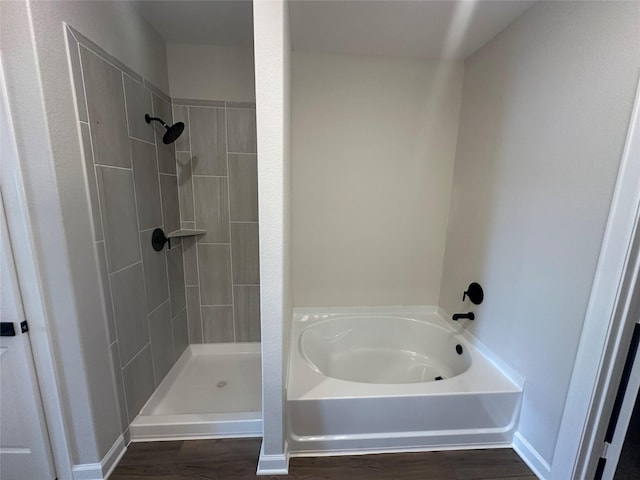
pixel 173 190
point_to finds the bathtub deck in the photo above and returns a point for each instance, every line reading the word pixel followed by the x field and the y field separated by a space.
pixel 213 391
pixel 237 459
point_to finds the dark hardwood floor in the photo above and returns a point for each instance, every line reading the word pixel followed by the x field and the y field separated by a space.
pixel 237 459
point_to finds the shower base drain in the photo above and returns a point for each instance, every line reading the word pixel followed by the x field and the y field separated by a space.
pixel 221 384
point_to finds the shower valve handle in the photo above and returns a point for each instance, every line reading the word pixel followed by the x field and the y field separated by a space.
pixel 158 239
pixel 475 293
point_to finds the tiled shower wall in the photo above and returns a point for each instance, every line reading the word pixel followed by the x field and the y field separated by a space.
pixel 133 188
pixel 218 188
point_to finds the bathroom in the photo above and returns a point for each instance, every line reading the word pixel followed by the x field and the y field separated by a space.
pixel 381 170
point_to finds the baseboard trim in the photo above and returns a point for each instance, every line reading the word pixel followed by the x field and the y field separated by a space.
pixel 102 470
pixel 531 457
pixel 113 456
pixel 273 464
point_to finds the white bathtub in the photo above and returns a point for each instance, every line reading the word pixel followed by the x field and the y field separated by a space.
pixel 385 379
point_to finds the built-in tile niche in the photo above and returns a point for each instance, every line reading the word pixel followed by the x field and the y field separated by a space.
pixel 133 189
pixel 218 190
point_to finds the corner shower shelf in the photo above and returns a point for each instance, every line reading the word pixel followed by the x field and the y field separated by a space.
pixel 185 233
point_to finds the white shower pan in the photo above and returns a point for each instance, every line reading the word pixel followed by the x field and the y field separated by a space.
pixel 213 391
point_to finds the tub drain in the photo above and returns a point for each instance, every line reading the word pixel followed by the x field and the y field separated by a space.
pixel 438 378
pixel 221 384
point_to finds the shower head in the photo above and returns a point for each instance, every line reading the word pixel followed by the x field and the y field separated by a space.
pixel 173 131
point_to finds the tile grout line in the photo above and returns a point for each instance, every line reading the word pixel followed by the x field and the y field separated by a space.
pixel 115 272
pixel 93 158
pixel 148 344
pixel 124 391
pixel 91 49
pixel 195 219
pixel 182 244
pixel 105 249
pixel 144 279
pixel 104 239
pixel 150 229
pixel 131 137
pixel 208 176
pixel 126 115
pixel 166 260
pixel 226 149
pixel 114 166
pixel 158 307
pixel 173 334
pixel 167 253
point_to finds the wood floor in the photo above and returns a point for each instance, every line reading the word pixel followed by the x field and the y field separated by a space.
pixel 237 459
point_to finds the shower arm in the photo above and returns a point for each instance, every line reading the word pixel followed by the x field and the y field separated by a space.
pixel 149 119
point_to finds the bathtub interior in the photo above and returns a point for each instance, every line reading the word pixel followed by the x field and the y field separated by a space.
pixel 364 349
pixel 476 408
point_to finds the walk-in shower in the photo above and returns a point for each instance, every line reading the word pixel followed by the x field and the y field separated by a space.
pixel 184 321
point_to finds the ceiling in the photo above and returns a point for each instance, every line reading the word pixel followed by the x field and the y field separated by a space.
pixel 219 22
pixel 423 29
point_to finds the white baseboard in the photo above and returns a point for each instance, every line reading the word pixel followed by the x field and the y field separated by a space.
pixel 273 464
pixel 531 457
pixel 102 470
pixel 87 471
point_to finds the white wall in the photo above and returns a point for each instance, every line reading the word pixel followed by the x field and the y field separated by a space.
pixel 272 51
pixel 34 58
pixel 211 72
pixel 545 110
pixel 373 144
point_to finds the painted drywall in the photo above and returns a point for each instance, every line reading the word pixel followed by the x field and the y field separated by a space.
pixel 373 145
pixel 545 110
pixel 211 72
pixel 272 50
pixel 39 85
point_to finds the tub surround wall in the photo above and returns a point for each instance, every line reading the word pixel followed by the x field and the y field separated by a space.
pixel 133 189
pixel 218 189
pixel 545 111
pixel 373 146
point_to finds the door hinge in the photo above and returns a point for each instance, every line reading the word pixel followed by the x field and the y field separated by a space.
pixel 600 469
pixel 24 326
pixel 7 329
